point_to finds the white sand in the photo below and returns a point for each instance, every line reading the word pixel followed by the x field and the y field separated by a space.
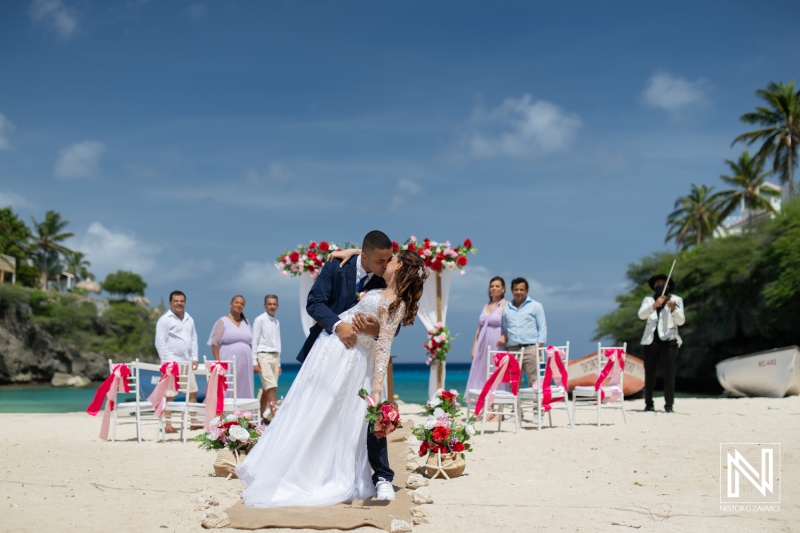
pixel 658 472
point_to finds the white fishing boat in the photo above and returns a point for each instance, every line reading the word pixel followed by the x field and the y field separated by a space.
pixel 773 373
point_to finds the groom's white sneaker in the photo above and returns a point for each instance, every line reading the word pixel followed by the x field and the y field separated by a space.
pixel 385 490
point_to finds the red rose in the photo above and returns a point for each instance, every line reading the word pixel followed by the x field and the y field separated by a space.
pixel 284 258
pixel 412 246
pixel 462 260
pixel 436 265
pixel 440 256
pixel 447 395
pixel 423 448
pixel 395 246
pixel 458 446
pixel 440 433
pixel 294 257
pixel 427 261
pixel 312 255
pixel 468 244
pixel 312 245
pixel 426 243
pixel 323 246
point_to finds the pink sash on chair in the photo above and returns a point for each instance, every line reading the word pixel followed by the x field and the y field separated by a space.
pixel 611 354
pixel 547 391
pixel 108 389
pixel 169 380
pixel 507 372
pixel 215 391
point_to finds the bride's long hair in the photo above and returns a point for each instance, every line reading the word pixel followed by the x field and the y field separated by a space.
pixel 408 282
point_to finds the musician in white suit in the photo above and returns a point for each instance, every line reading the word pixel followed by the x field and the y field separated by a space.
pixel 664 313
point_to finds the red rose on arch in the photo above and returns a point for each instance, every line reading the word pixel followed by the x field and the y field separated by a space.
pixel 440 256
pixel 468 243
pixel 458 446
pixel 462 260
pixel 428 262
pixel 312 245
pixel 440 433
pixel 395 247
pixel 324 247
pixel 294 257
pixel 412 246
pixel 436 265
pixel 312 256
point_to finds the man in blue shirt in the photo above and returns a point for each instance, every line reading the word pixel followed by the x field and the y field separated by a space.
pixel 524 327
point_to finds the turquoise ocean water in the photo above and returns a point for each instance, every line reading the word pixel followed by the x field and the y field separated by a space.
pixel 410 384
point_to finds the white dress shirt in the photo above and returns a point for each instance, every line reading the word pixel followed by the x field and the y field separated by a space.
pixel 266 334
pixel 176 339
pixel 360 273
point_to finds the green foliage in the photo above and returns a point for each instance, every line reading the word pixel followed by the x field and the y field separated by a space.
pixel 27 275
pixel 124 283
pixel 123 329
pixel 741 294
pixel 48 235
pixel 14 234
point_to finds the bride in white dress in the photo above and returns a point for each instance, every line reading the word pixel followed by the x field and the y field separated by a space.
pixel 314 453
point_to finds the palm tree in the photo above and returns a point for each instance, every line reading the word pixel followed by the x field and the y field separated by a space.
pixel 780 132
pixel 695 217
pixel 750 194
pixel 77 265
pixel 47 238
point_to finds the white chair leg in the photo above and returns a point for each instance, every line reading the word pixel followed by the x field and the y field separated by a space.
pixel 622 405
pixel 138 426
pixel 599 405
pixel 483 418
pixel 550 417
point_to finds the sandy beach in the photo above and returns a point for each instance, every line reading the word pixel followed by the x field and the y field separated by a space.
pixel 658 472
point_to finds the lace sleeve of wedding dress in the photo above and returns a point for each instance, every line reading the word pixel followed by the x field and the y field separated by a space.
pixel 383 348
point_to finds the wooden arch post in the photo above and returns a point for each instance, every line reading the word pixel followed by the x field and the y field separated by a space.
pixel 439 369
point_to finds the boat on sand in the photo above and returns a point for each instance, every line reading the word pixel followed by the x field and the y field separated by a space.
pixel 772 373
pixel 584 372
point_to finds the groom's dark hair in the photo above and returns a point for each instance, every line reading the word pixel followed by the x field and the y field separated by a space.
pixel 376 240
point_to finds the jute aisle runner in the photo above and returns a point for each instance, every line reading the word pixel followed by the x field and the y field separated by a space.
pixel 370 512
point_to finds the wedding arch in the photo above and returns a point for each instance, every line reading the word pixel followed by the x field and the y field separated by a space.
pixel 440 258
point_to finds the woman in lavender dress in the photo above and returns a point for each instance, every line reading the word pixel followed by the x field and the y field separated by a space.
pixel 489 331
pixel 231 336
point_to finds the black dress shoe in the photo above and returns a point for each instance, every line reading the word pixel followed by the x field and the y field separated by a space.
pixel 667 409
pixel 649 408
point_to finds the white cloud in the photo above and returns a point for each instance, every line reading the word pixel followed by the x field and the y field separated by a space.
pixel 56 15
pixel 404 190
pixel 276 173
pixel 81 160
pixel 523 128
pixel 672 93
pixel 196 11
pixel 6 127
pixel 261 277
pixel 109 251
pixel 10 199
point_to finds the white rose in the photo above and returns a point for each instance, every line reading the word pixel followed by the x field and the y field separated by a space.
pixel 231 417
pixel 470 429
pixel 435 402
pixel 431 423
pixel 216 421
pixel 438 412
pixel 238 433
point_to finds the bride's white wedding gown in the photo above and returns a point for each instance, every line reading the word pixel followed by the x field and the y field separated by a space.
pixel 314 453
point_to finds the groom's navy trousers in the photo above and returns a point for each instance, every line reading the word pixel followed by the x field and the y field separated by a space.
pixel 334 292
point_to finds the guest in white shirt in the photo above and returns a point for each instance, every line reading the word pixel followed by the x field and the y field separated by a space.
pixel 176 340
pixel 267 351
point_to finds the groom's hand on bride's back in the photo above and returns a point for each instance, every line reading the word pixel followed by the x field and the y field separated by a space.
pixel 367 324
pixel 347 333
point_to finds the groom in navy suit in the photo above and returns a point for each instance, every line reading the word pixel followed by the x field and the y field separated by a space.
pixel 335 291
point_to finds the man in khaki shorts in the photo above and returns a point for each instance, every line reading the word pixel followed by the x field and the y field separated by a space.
pixel 267 349
pixel 176 340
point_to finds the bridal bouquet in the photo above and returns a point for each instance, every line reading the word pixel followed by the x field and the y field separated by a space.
pixel 438 343
pixel 439 256
pixel 443 431
pixel 383 418
pixel 235 431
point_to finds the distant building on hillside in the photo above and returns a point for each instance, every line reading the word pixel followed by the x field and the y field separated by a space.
pixel 734 224
pixel 8 269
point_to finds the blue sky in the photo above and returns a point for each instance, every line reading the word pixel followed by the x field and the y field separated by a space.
pixel 192 142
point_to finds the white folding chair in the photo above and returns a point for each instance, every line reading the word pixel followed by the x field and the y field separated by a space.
pixel 185 408
pixel 235 403
pixel 610 394
pixel 139 409
pixel 532 397
pixel 502 398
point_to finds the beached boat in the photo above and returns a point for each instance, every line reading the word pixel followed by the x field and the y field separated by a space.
pixel 773 373
pixel 584 372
